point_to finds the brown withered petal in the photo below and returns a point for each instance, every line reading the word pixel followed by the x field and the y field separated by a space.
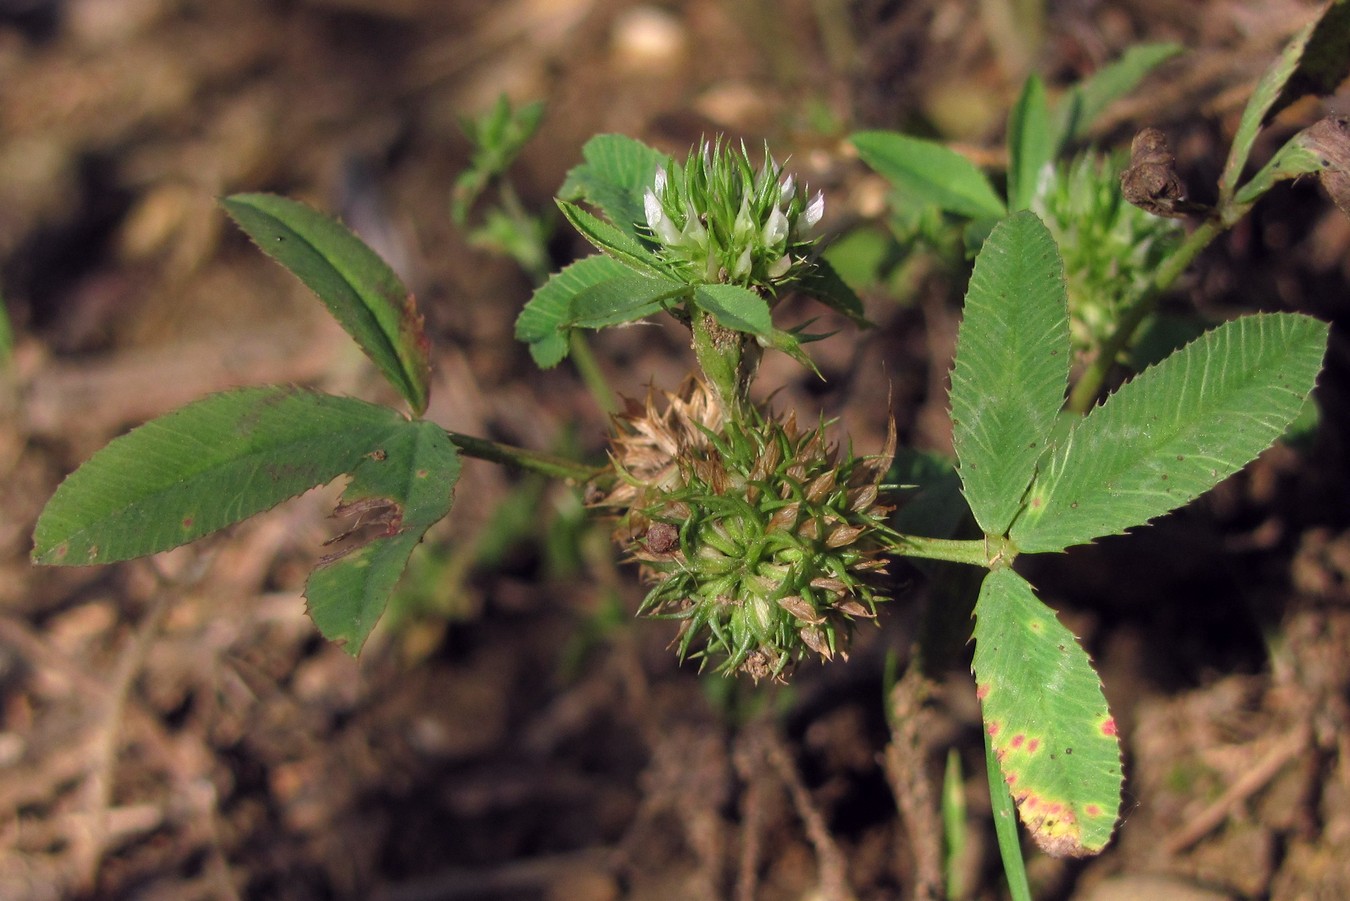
pixel 802 609
pixel 853 608
pixel 758 665
pixel 820 487
pixel 814 639
pixel 843 535
pixel 860 500
pixel 784 517
pixel 827 584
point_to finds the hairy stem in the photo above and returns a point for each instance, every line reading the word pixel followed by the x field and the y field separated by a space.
pixel 987 551
pixel 545 464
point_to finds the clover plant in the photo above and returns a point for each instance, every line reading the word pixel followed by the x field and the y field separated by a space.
pixel 760 535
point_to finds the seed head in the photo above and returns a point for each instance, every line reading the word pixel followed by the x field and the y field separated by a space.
pixel 764 540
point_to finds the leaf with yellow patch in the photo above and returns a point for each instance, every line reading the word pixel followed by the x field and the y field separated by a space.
pixel 1052 734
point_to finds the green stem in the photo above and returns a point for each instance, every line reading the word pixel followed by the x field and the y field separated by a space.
pixel 1085 392
pixel 545 464
pixel 1005 826
pixel 986 552
pixel 589 370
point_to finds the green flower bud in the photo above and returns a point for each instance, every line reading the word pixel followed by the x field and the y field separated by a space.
pixel 1110 247
pixel 718 220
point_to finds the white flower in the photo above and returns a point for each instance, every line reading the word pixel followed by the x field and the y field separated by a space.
pixel 742 227
pixel 814 210
pixel 776 229
pixel 780 267
pixel 660 180
pixel 787 189
pixel 712 269
pixel 694 232
pixel 658 221
pixel 742 267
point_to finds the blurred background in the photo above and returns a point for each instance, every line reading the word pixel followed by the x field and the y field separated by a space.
pixel 175 728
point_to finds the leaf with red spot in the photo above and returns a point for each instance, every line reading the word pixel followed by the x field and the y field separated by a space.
pixel 400 491
pixel 1043 707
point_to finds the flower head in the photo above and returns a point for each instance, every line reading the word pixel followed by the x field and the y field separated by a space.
pixel 718 219
pixel 760 537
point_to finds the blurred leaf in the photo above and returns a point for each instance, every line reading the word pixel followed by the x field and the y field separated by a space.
pixel 932 505
pixel 1030 144
pixel 359 288
pixel 498 137
pixel 206 466
pixel 1259 105
pixel 406 486
pixel 1012 367
pixel 954 825
pixel 1325 61
pixel 542 323
pixel 1174 431
pixel 1085 101
pixel 1046 718
pixel 523 239
pixel 931 172
pixel 824 284
pixel 617 169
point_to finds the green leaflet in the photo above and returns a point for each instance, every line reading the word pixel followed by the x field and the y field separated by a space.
pixel 542 323
pixel 617 169
pixel 1046 718
pixel 624 298
pixel 1030 145
pixel 605 237
pixel 1267 90
pixel 1012 367
pixel 358 287
pixel 1292 160
pixel 736 308
pixel 206 466
pixel 405 487
pixel 1174 431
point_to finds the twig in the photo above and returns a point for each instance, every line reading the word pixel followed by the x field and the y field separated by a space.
pixel 88 849
pixel 833 865
pixel 905 771
pixel 1250 782
pixel 752 822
